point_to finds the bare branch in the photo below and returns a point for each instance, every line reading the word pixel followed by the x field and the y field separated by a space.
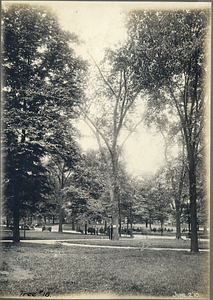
pixel 96 129
pixel 107 83
pixel 131 132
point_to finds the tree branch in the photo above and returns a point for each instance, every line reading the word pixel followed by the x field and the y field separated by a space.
pixel 97 129
pixel 107 83
pixel 130 133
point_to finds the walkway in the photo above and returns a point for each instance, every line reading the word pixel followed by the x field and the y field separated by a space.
pixel 66 243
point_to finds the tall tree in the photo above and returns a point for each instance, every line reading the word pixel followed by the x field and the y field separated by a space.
pixel 91 178
pixel 85 194
pixel 128 200
pixel 41 83
pixel 177 177
pixel 156 198
pixel 167 51
pixel 108 114
pixel 167 123
pixel 63 156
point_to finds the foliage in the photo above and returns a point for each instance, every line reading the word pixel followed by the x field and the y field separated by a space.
pixel 156 196
pixel 41 84
pixel 168 56
pixel 90 179
pixel 61 163
pixel 108 111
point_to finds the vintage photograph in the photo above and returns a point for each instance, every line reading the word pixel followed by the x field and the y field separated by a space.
pixel 105 177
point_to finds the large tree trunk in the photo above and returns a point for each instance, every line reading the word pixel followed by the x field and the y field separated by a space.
pixel 105 226
pixel 115 213
pixel 205 228
pixel 189 222
pixel 73 224
pixel 161 226
pixel 178 231
pixel 115 198
pixel 193 210
pixel 60 218
pixel 131 230
pixel 119 216
pixel 115 222
pixel 8 221
pixel 119 226
pixel 150 222
pixel 16 233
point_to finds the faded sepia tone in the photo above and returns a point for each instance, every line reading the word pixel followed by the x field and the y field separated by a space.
pixel 102 131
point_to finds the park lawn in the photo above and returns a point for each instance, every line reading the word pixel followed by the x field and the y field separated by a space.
pixel 142 243
pixel 46 235
pixel 63 270
pixel 104 240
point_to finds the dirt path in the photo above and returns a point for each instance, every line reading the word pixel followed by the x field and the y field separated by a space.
pixel 66 243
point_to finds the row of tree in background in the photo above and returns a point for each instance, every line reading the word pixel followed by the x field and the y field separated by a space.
pixel 84 196
pixel 161 66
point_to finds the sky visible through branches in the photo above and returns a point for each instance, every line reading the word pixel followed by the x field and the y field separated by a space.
pixel 100 25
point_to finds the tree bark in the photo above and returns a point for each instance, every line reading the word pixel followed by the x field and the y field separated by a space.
pixel 60 204
pixel 131 232
pixel 189 222
pixel 60 216
pixel 16 233
pixel 205 228
pixel 193 211
pixel 161 225
pixel 119 226
pixel 178 231
pixel 115 221
pixel 73 224
pixel 115 196
pixel 8 221
pixel 119 215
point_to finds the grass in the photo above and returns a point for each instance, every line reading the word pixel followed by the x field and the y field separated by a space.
pixel 46 235
pixel 104 240
pixel 145 243
pixel 63 270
